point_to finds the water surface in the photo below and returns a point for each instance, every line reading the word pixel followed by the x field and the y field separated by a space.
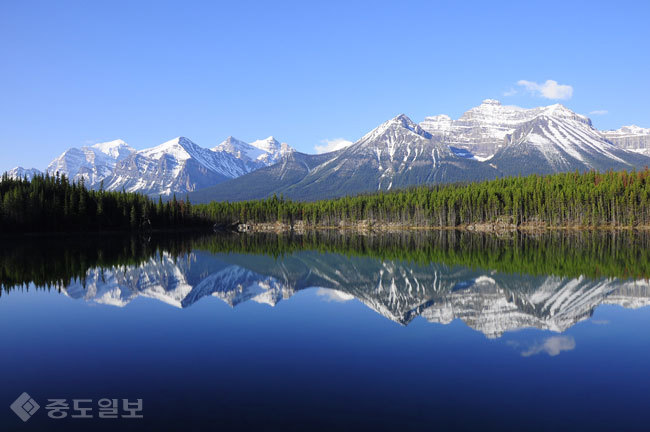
pixel 446 330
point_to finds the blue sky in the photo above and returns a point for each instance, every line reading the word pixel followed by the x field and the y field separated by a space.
pixel 305 72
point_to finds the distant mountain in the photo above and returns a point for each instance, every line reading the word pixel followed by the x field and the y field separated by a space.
pixel 397 154
pixel 482 129
pixel 487 141
pixel 176 166
pixel 634 138
pixel 274 179
pixel 92 163
pixel 257 154
pixel 559 140
pixel 21 173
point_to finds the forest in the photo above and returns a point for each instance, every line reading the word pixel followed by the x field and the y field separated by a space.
pixel 54 204
pixel 591 199
pixel 588 199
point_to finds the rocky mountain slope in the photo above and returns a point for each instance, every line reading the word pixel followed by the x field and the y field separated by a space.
pixel 257 154
pixel 397 154
pixel 176 166
pixel 487 141
pixel 21 173
pixel 559 140
pixel 92 163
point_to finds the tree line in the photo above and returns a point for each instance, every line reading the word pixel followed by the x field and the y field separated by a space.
pixel 53 203
pixel 588 199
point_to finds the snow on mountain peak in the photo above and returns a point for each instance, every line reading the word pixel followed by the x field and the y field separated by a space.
pixel 629 130
pixel 560 111
pixel 263 152
pixel 113 148
pixel 18 173
pixel 400 121
pixel 269 144
pixel 634 138
pixel 481 130
pixel 180 148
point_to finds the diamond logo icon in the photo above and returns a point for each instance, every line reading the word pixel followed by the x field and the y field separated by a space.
pixel 24 407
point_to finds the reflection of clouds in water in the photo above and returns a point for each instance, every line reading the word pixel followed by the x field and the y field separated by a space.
pixel 600 322
pixel 331 295
pixel 551 346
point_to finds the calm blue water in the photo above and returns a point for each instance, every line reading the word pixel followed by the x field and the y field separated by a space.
pixel 230 341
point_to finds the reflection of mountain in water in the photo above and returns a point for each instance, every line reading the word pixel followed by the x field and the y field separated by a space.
pixel 489 302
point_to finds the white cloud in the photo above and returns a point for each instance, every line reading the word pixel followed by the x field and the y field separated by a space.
pixel 331 295
pixel 598 112
pixel 332 145
pixel 551 346
pixel 511 92
pixel 549 90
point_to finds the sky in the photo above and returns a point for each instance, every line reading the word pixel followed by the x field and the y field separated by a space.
pixel 312 74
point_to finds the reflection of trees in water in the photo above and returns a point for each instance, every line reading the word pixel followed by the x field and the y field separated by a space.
pixel 55 260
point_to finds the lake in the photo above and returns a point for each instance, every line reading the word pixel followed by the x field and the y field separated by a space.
pixel 443 330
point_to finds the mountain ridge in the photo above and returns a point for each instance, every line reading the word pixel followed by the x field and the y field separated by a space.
pixel 485 142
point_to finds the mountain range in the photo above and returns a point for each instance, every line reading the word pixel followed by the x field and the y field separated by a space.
pixel 486 142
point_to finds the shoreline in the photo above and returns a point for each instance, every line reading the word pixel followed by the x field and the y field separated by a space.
pixel 369 227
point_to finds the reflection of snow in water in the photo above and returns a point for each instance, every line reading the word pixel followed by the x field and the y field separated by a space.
pixel 489 302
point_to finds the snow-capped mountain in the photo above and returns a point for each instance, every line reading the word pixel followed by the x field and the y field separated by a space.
pixel 92 163
pixel 632 138
pixel 486 129
pixel 176 166
pixel 257 154
pixel 398 153
pixel 480 130
pixel 559 140
pixel 21 173
pixel 487 141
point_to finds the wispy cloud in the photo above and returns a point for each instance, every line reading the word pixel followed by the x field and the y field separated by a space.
pixel 332 145
pixel 600 322
pixel 598 112
pixel 549 89
pixel 331 295
pixel 513 91
pixel 552 346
